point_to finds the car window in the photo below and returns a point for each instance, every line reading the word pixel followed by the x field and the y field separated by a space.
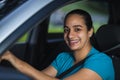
pixel 98 11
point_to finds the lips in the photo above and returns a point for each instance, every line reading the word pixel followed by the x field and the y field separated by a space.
pixel 73 42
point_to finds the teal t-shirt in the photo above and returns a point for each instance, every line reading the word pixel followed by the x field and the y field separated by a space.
pixel 96 61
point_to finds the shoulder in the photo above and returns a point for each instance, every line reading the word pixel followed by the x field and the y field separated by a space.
pixel 64 57
pixel 97 55
pixel 100 63
pixel 62 62
pixel 96 59
pixel 64 54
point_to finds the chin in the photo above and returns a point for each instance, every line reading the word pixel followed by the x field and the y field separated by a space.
pixel 73 48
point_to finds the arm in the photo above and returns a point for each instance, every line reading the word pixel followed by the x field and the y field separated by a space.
pixel 48 73
pixel 27 69
pixel 84 74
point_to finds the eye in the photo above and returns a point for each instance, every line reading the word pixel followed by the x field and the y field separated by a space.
pixel 66 30
pixel 77 29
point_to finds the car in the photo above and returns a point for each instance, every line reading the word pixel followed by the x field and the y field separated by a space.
pixel 32 30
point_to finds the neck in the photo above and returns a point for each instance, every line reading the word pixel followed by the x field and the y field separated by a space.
pixel 82 53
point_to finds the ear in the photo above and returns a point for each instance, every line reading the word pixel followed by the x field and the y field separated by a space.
pixel 90 32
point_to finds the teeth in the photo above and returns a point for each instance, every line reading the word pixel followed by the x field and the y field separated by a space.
pixel 73 41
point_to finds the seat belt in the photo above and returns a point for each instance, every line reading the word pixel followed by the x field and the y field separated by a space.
pixel 70 69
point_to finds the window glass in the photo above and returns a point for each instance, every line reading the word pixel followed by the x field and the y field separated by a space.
pixel 24 38
pixel 98 11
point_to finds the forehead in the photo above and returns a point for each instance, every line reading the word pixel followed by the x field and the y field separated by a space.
pixel 74 16
pixel 75 20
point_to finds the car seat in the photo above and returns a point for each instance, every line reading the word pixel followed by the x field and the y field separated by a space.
pixel 108 41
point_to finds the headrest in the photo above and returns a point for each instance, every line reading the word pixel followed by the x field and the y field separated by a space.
pixel 108 38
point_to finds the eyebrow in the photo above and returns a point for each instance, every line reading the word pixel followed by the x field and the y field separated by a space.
pixel 77 26
pixel 74 26
pixel 65 26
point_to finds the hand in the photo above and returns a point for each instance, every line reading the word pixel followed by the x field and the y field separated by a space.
pixel 6 56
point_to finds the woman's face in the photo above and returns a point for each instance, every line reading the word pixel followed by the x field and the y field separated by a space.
pixel 76 34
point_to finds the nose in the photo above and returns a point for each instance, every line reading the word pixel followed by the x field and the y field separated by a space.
pixel 71 34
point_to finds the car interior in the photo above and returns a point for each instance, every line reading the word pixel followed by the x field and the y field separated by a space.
pixel 41 47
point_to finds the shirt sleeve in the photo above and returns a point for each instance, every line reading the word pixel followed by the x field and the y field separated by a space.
pixel 62 62
pixel 101 64
pixel 59 61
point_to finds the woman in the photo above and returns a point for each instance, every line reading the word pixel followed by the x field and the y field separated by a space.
pixel 78 30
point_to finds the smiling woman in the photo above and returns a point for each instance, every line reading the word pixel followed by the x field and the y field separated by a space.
pixel 78 31
pixel 43 48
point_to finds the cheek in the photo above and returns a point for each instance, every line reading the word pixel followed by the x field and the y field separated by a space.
pixel 82 35
pixel 65 36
